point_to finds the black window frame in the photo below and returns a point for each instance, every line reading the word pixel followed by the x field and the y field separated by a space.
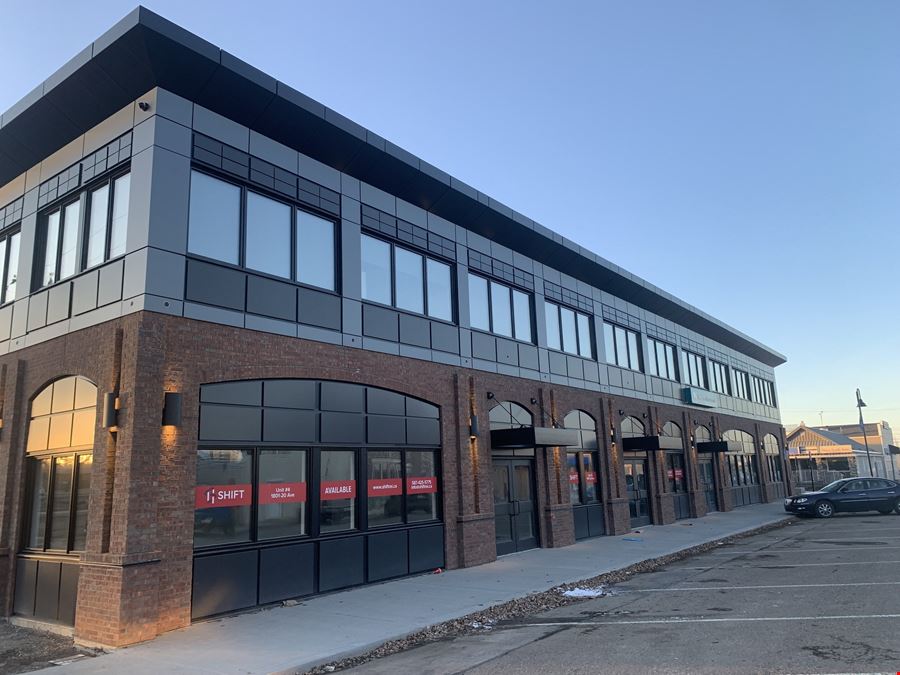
pixel 512 308
pixel 718 377
pixel 393 273
pixel 313 497
pixel 612 359
pixel 6 236
pixel 295 206
pixel 83 197
pixel 652 342
pixel 558 307
pixel 741 382
pixel 689 358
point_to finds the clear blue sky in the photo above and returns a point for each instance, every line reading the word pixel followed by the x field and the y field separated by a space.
pixel 744 156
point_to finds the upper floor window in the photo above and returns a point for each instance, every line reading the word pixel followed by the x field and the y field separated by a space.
pixel 242 227
pixel 693 369
pixel 405 279
pixel 740 384
pixel 499 309
pixel 621 346
pixel 568 330
pixel 84 231
pixel 718 377
pixel 662 359
pixel 763 391
pixel 9 265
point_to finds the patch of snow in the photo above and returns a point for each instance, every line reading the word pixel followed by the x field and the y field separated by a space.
pixel 585 592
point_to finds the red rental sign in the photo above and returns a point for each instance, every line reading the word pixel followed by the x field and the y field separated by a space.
pixel 421 486
pixel 385 487
pixel 337 489
pixel 590 476
pixel 573 477
pixel 282 493
pixel 220 496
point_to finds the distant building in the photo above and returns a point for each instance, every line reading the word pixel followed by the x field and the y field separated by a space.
pixel 824 450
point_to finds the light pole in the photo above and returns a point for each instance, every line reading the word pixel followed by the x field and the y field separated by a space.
pixel 862 428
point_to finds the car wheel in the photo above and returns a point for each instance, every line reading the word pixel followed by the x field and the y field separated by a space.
pixel 897 506
pixel 824 509
pixel 885 512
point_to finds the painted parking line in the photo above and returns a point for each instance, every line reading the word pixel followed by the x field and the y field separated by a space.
pixel 778 565
pixel 806 550
pixel 749 619
pixel 761 587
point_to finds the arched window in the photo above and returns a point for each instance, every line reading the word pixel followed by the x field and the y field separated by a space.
pixel 702 435
pixel 675 473
pixel 741 463
pixel 671 430
pixel 773 457
pixel 632 427
pixel 60 447
pixel 509 415
pixel 583 462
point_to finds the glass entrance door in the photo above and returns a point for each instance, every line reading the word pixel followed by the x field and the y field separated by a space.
pixel 514 505
pixel 637 493
pixel 708 483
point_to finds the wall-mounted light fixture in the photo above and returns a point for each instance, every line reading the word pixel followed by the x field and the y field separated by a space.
pixel 171 416
pixel 110 411
pixel 490 395
pixel 644 415
pixel 533 401
pixel 473 426
pixel 621 412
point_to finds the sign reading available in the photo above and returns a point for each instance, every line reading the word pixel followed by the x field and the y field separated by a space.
pixel 220 496
pixel 337 489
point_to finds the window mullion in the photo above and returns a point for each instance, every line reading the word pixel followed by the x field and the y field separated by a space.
pixel 70 535
pixel 48 515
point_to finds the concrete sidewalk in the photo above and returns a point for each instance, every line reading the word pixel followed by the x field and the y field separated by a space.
pixel 327 627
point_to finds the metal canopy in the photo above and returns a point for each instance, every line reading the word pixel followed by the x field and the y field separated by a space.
pixel 719 446
pixel 533 437
pixel 652 443
pixel 144 50
pixel 894 450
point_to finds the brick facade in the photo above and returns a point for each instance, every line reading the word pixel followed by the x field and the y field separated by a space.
pixel 135 579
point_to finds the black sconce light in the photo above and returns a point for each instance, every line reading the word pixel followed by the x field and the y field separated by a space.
pixel 171 416
pixel 473 426
pixel 621 412
pixel 110 411
pixel 490 395
pixel 533 401
pixel 644 415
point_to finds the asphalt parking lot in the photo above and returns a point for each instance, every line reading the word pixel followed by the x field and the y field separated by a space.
pixel 818 596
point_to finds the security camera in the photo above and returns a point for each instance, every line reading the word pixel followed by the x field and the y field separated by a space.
pixel 143 105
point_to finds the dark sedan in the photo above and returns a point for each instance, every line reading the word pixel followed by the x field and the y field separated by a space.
pixel 847 495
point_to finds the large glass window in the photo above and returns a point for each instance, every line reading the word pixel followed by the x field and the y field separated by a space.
pixel 742 463
pixel 337 491
pixel 741 384
pixel 662 359
pixel 693 369
pixel 763 391
pixel 107 221
pixel 60 443
pixel 392 275
pixel 675 472
pixel 9 266
pixel 718 377
pixel 264 242
pixel 215 218
pixel 223 497
pixel 268 247
pixel 315 250
pixel 574 478
pixel 568 330
pixel 621 347
pixel 385 487
pixel 499 309
pixel 583 464
pixel 421 486
pixel 99 208
pixel 281 494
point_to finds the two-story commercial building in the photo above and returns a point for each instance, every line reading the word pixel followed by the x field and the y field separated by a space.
pixel 251 351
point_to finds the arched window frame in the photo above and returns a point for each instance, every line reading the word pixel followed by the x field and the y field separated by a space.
pixel 632 427
pixel 742 466
pixel 510 415
pixel 583 462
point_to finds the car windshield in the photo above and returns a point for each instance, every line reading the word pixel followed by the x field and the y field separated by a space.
pixel 833 487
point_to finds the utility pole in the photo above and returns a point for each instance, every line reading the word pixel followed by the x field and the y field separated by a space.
pixel 862 428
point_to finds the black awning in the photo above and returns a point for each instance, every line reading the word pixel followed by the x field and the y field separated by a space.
pixel 719 446
pixel 893 449
pixel 652 443
pixel 533 437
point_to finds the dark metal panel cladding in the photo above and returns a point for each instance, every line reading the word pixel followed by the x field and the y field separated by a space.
pixel 286 572
pixel 444 337
pixel 415 331
pixel 291 394
pixel 248 392
pixel 215 285
pixel 342 397
pixel 388 555
pixel 426 548
pixel 383 430
pixel 319 309
pixel 46 602
pixel 342 428
pixel 341 563
pixel 268 297
pixel 68 593
pixel 230 423
pixel 423 432
pixel 224 583
pixel 292 426
pixel 380 323
pixel 26 583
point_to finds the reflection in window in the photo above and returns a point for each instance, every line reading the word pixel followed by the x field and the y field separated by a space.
pixel 99 206
pixel 385 487
pixel 215 216
pixel 740 384
pixel 337 491
pixel 281 494
pixel 376 270
pixel 40 493
pixel 268 247
pixel 718 377
pixel 621 346
pixel 12 268
pixel 421 486
pixel 479 309
pixel 409 281
pixel 223 497
pixel 574 478
pixel 568 330
pixel 505 311
pixel 315 251
pixel 440 290
pixel 693 369
pixel 662 359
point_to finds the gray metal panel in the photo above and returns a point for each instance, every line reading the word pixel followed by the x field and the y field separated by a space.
pixel 528 357
pixel 351 274
pixel 380 323
pixel 84 292
pixel 5 321
pixel 230 423
pixel 351 317
pixel 58 304
pixel 342 428
pixel 319 309
pixel 575 367
pixel 271 298
pixel 294 426
pixel 110 285
pixel 164 273
pixel 248 392
pixel 558 364
pixel 170 202
pixel 37 310
pixel 484 346
pixel 444 337
pixel 214 285
pixel 383 429
pixel 414 331
pixel 290 394
pixel 423 431
pixel 507 352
